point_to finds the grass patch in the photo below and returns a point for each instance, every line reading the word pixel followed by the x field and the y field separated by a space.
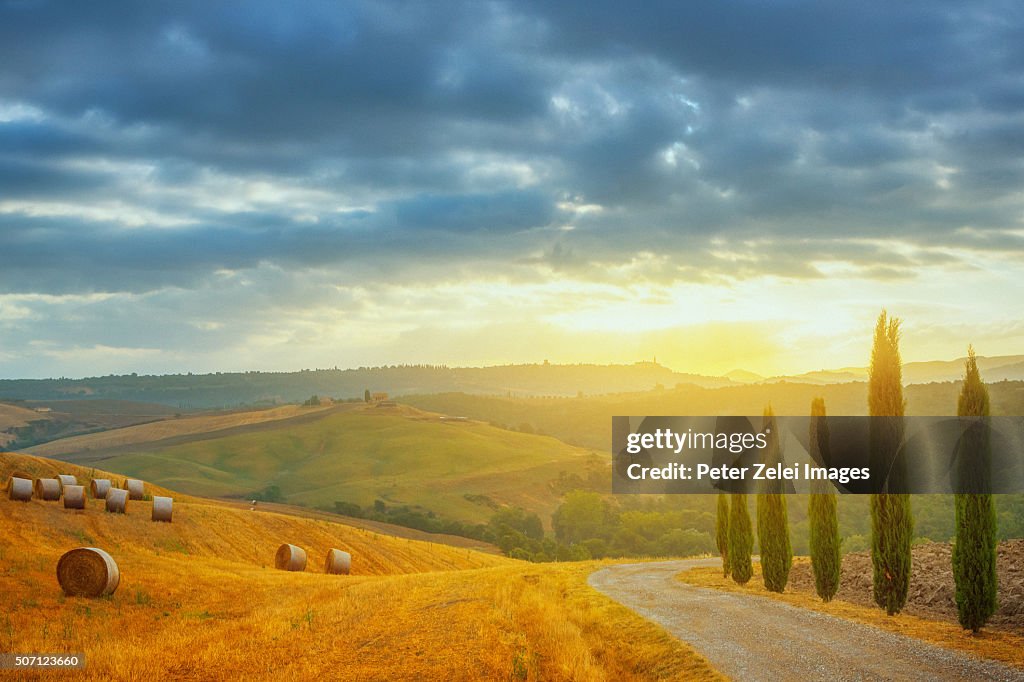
pixel 173 545
pixel 80 535
pixel 198 615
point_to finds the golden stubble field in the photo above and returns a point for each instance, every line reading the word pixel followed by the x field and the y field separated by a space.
pixel 200 599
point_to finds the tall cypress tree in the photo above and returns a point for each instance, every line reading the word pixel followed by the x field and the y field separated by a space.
pixel 821 512
pixel 974 554
pixel 892 524
pixel 722 531
pixel 772 516
pixel 741 539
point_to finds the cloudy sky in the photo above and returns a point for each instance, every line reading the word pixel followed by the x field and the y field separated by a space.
pixel 227 186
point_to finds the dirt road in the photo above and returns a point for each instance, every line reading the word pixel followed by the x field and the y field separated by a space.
pixel 756 638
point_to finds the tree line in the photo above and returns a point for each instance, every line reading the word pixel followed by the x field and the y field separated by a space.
pixel 892 519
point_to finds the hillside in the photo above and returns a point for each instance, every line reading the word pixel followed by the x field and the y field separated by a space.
pixel 183 392
pixel 402 456
pixel 24 423
pixel 14 417
pixel 228 389
pixel 174 428
pixel 586 421
pixel 210 530
pixel 198 599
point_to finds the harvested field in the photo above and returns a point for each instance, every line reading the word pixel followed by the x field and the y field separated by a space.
pixel 169 428
pixel 931 583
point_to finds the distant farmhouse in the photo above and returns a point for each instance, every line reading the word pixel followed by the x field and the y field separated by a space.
pixel 378 397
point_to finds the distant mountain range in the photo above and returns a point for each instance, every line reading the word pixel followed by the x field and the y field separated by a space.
pixel 998 368
pixel 202 391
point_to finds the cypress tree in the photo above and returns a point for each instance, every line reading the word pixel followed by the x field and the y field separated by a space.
pixel 772 517
pixel 892 524
pixel 741 539
pixel 974 554
pixel 821 512
pixel 722 531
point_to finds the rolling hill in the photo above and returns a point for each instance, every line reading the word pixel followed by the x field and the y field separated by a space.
pixel 229 389
pixel 586 421
pixel 357 454
pixel 198 600
pixel 183 426
pixel 183 392
pixel 238 534
pixel 24 423
pixel 14 417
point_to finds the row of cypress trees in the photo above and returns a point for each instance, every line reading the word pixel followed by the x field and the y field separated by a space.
pixel 733 528
pixel 735 536
pixel 974 548
pixel 974 551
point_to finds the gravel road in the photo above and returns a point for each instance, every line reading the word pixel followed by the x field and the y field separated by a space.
pixel 757 638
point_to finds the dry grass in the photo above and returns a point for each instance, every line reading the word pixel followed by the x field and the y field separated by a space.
pixel 228 621
pixel 1001 646
pixel 561 629
pixel 199 599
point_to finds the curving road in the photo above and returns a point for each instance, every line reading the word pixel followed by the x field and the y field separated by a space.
pixel 757 638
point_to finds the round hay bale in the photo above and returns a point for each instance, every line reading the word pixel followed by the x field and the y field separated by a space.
pixel 19 489
pixel 99 487
pixel 87 572
pixel 135 489
pixel 290 558
pixel 162 508
pixel 66 479
pixel 338 562
pixel 48 489
pixel 74 497
pixel 117 501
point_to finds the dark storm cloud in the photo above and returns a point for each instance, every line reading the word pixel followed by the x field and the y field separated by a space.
pixel 56 255
pixel 22 178
pixel 504 211
pixel 906 50
pixel 398 134
pixel 262 72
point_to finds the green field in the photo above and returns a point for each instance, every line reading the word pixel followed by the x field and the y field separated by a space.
pixel 403 459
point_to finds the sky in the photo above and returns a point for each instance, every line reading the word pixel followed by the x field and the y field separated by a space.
pixel 224 186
